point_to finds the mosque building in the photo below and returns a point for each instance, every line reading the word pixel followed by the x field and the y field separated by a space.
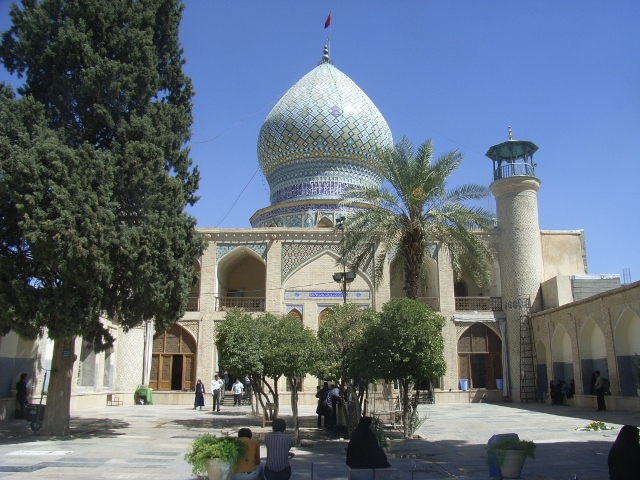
pixel 542 316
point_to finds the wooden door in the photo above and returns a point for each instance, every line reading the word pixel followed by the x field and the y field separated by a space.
pixel 189 372
pixel 165 371
pixel 153 375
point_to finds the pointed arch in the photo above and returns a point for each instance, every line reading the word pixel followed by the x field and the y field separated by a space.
pixel 561 354
pixel 593 353
pixel 242 280
pixel 325 222
pixel 480 356
pixel 627 345
pixel 295 313
pixel 173 361
pixel 541 355
pixel 322 315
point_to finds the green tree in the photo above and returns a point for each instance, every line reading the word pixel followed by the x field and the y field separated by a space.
pixel 239 340
pixel 95 227
pixel 292 351
pixel 341 338
pixel 415 213
pixel 406 344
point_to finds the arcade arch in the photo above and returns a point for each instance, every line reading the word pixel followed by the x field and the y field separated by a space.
pixel 541 355
pixel 627 341
pixel 561 355
pixel 593 354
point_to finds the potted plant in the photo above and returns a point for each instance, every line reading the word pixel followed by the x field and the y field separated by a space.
pixel 215 456
pixel 511 454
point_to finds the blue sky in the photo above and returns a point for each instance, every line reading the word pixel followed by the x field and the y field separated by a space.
pixel 564 75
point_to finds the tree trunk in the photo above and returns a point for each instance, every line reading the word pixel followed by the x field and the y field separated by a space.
pixel 404 392
pixel 294 410
pixel 56 418
pixel 413 258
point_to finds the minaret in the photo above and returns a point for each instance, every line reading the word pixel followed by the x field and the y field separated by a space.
pixel 515 188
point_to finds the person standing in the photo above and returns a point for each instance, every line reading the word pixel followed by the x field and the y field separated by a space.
pixel 200 391
pixel 249 467
pixel 216 389
pixel 552 392
pixel 22 393
pixel 320 394
pixel 238 387
pixel 572 390
pixel 600 391
pixel 278 454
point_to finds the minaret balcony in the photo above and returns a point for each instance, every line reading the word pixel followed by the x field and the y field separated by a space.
pixel 514 170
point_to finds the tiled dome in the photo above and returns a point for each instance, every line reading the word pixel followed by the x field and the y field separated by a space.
pixel 320 137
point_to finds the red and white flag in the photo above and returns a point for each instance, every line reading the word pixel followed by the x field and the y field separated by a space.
pixel 328 21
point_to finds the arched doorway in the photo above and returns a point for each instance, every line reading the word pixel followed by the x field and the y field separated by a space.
pixel 295 313
pixel 322 316
pixel 173 362
pixel 242 278
pixel 480 356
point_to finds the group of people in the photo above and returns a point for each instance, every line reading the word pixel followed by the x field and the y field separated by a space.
pixel 278 446
pixel 560 392
pixel 328 401
pixel 218 387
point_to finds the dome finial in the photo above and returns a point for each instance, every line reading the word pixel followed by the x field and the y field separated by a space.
pixel 510 134
pixel 325 56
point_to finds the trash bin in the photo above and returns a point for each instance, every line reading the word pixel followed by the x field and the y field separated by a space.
pixel 464 384
pixel 492 459
pixel 499 383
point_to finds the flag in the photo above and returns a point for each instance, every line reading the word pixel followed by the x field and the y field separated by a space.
pixel 328 22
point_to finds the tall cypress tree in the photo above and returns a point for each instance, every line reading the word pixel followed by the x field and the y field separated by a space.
pixel 94 176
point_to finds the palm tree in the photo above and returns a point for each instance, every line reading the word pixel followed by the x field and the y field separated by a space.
pixel 414 214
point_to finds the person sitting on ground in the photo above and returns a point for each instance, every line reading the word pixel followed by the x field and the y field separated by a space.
pixel 363 450
pixel 278 454
pixel 249 467
pixel 624 456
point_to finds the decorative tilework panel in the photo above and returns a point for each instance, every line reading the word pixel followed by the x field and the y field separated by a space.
pixel 223 249
pixel 295 254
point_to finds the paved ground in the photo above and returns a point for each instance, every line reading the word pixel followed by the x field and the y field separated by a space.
pixel 137 442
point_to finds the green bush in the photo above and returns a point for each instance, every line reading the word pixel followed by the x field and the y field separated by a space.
pixel 511 443
pixel 207 447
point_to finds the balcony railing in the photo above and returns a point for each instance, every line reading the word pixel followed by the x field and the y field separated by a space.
pixel 433 302
pixel 250 304
pixel 193 303
pixel 480 304
pixel 514 169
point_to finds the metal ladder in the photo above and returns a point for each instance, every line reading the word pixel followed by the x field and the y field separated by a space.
pixel 529 390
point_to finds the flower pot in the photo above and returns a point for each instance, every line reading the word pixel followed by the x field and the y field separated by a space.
pixel 512 463
pixel 218 470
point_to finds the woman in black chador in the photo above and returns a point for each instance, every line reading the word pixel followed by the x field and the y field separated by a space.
pixel 200 391
pixel 363 450
pixel 624 457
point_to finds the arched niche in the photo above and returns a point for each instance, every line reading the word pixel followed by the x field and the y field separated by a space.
pixel 593 353
pixel 325 223
pixel 295 313
pixel 242 277
pixel 541 355
pixel 173 360
pixel 627 345
pixel 322 315
pixel 561 355
pixel 480 356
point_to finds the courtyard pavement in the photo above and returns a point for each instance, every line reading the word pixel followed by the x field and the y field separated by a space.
pixel 149 442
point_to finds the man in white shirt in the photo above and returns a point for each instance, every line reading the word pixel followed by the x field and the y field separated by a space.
pixel 216 389
pixel 237 388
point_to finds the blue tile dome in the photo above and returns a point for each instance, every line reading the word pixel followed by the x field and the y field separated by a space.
pixel 321 137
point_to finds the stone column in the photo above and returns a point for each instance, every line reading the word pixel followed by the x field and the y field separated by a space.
pixel 274 293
